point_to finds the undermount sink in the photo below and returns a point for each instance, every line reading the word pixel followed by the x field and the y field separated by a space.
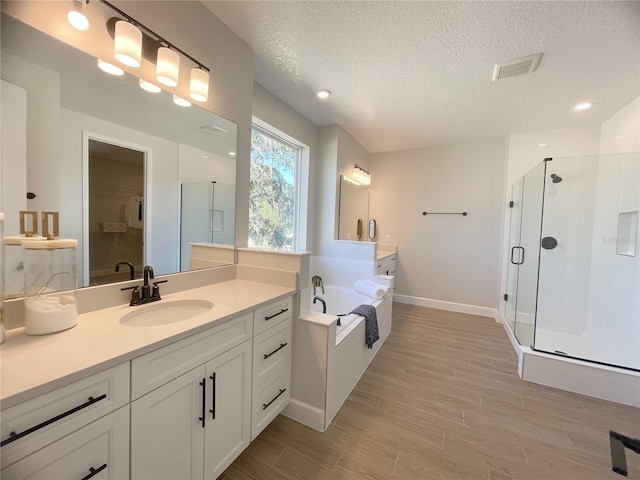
pixel 164 313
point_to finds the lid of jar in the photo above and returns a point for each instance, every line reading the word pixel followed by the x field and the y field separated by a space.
pixel 49 244
pixel 17 239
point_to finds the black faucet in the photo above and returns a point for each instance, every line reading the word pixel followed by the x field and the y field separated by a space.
pixel 324 304
pixel 147 293
pixel 132 270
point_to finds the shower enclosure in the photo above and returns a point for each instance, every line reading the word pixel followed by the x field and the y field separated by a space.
pixel 574 273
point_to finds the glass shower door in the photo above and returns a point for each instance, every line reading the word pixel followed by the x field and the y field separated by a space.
pixel 588 303
pixel 524 253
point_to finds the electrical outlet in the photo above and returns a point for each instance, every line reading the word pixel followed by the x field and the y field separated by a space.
pixel 387 237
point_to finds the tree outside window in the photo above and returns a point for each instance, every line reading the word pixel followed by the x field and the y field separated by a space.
pixel 272 192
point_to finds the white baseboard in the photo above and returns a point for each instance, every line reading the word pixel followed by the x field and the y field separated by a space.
pixel 306 414
pixel 449 306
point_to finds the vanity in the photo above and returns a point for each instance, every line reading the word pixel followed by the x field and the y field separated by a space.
pixel 117 398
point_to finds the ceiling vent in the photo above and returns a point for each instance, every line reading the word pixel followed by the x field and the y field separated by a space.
pixel 518 66
pixel 212 129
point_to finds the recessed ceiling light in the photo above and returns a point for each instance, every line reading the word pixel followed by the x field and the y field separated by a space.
pixel 583 106
pixel 233 154
pixel 181 101
pixel 109 68
pixel 324 93
pixel 542 144
pixel 149 87
pixel 618 136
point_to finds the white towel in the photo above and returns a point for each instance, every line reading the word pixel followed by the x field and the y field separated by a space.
pixel 388 291
pixel 368 289
pixel 132 213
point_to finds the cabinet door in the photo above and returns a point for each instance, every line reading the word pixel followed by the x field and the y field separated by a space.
pixel 167 433
pixel 99 451
pixel 228 409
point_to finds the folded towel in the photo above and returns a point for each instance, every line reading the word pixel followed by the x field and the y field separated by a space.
pixel 388 291
pixel 371 334
pixel 369 290
pixel 133 213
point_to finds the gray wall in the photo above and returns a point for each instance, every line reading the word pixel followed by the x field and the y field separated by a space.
pixel 448 258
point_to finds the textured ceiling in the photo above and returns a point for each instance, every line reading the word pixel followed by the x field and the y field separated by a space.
pixel 413 74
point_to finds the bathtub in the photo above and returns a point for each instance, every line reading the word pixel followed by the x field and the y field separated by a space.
pixel 340 301
pixel 327 359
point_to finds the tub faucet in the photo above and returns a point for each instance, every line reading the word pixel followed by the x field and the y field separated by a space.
pixel 316 281
pixel 324 304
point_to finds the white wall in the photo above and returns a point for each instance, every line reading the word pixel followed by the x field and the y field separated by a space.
pixel 446 258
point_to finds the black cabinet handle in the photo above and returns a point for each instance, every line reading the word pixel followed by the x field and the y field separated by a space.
pixel 94 471
pixel 13 436
pixel 276 314
pixel 213 397
pixel 203 384
pixel 521 259
pixel 282 345
pixel 266 405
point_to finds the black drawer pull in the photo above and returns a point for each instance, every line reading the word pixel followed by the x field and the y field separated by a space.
pixel 266 405
pixel 94 471
pixel 276 314
pixel 213 397
pixel 282 345
pixel 203 384
pixel 13 436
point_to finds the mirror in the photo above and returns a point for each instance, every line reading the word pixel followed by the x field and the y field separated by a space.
pixel 55 102
pixel 354 210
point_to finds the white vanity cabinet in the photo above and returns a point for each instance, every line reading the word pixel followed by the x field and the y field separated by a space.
pixel 386 265
pixel 195 425
pixel 271 363
pixel 70 431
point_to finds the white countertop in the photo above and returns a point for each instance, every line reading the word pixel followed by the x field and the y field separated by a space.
pixel 384 254
pixel 33 365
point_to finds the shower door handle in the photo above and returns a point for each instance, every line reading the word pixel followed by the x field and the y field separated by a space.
pixel 513 249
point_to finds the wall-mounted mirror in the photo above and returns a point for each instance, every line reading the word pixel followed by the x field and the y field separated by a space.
pixel 354 210
pixel 60 113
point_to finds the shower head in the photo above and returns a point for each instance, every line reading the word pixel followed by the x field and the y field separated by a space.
pixel 556 178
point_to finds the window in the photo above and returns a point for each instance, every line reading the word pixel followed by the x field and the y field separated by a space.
pixel 273 192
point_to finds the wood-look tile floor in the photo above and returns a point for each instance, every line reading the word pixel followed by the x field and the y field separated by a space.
pixel 443 400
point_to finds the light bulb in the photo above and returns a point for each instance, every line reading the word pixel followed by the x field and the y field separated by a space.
pixel 127 46
pixel 76 15
pixel 149 87
pixel 199 84
pixel 324 93
pixel 109 68
pixel 167 67
pixel 181 101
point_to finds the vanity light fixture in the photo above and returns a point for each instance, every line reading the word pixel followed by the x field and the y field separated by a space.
pixel 149 87
pixel 168 67
pixel 76 15
pixel 127 46
pixel 360 176
pixel 324 93
pixel 134 41
pixel 199 84
pixel 109 68
pixel 181 101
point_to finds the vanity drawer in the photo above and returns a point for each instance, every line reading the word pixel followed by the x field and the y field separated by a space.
pixel 271 351
pixel 272 314
pixel 156 368
pixel 269 399
pixel 100 451
pixel 44 419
